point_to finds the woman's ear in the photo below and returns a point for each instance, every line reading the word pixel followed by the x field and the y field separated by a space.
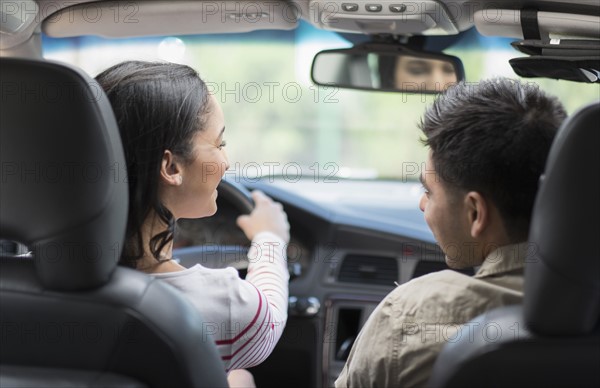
pixel 478 213
pixel 171 170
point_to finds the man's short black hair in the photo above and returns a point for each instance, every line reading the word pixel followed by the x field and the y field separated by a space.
pixel 493 137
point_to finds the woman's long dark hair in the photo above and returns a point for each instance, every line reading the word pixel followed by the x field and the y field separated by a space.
pixel 158 106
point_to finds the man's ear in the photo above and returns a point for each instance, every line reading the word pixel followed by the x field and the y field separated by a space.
pixel 478 213
pixel 171 170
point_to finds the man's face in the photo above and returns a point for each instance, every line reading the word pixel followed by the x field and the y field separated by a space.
pixel 445 213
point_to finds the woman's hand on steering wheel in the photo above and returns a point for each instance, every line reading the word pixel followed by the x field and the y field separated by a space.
pixel 267 216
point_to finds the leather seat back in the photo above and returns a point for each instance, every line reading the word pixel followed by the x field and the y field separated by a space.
pixel 69 315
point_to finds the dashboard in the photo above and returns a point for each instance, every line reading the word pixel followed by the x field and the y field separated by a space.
pixel 351 243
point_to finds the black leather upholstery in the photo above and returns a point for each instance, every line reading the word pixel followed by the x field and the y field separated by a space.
pixel 69 308
pixel 14 377
pixel 553 339
pixel 563 279
pixel 59 147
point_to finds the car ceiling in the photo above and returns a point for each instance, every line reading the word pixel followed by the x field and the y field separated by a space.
pixel 147 18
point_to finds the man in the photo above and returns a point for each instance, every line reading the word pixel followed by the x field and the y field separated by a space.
pixel 488 147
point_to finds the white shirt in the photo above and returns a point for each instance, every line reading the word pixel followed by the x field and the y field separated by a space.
pixel 245 318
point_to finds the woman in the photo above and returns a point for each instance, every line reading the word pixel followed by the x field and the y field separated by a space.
pixel 172 131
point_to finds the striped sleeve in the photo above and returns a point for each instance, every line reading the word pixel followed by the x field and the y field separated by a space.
pixel 259 310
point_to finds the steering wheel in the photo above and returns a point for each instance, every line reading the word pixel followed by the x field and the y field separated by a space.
pixel 237 195
pixel 240 201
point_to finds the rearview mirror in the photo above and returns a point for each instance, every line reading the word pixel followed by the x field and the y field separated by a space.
pixel 386 67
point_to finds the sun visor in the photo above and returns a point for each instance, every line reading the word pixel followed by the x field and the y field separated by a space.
pixel 578 69
pixel 559 47
pixel 509 23
pixel 147 18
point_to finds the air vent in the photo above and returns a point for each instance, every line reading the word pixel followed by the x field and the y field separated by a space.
pixel 366 269
pixel 425 267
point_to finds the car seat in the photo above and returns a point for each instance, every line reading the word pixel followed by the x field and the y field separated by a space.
pixel 69 316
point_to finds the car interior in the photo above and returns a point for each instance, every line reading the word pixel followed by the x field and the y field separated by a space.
pixel 71 317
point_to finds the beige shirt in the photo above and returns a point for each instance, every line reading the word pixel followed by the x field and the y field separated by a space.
pixel 403 336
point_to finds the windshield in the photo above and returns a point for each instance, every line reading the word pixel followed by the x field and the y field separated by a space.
pixel 280 124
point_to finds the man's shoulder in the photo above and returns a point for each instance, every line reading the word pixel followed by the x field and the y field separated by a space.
pixel 441 282
pixel 444 296
pixel 398 344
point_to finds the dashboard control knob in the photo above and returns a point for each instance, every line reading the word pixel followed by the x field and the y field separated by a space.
pixel 303 306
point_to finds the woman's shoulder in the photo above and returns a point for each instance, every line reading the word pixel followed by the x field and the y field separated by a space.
pixel 217 293
pixel 198 272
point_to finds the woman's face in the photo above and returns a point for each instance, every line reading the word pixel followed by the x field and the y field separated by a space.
pixel 196 194
pixel 431 74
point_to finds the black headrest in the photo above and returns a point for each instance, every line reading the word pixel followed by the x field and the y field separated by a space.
pixel 562 276
pixel 64 189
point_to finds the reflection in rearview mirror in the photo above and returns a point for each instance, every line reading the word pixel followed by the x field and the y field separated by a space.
pixel 406 72
pixel 413 72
